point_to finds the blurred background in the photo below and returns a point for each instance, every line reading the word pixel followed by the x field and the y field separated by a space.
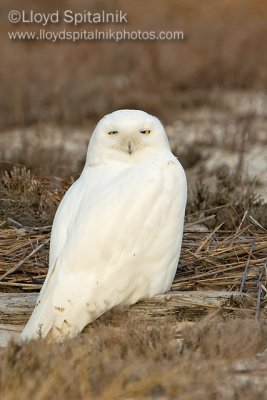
pixel 208 89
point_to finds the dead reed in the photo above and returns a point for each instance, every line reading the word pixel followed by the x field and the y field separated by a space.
pixel 210 260
pixel 213 257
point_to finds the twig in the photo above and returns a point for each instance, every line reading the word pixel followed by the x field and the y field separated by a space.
pixel 18 225
pixel 240 252
pixel 236 235
pixel 209 237
pixel 200 220
pixel 209 209
pixel 15 223
pixel 17 266
pixel 255 222
pixel 206 274
pixel 2 224
pixel 264 288
pixel 21 285
pixel 259 285
pixel 244 276
pixel 241 223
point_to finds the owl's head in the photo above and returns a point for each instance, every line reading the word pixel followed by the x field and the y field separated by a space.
pixel 127 136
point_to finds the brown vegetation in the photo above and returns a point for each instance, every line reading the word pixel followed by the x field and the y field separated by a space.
pixel 220 357
pixel 220 137
pixel 225 231
pixel 144 361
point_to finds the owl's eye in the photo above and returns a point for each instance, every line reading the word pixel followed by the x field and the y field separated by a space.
pixel 112 132
pixel 147 132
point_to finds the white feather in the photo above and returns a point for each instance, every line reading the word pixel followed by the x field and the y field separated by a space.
pixel 117 233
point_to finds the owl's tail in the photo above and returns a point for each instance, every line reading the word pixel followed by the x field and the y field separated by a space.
pixel 40 322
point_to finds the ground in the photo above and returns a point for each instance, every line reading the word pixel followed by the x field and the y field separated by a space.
pixel 217 360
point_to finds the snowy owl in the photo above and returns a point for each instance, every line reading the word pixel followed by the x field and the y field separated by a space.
pixel 117 233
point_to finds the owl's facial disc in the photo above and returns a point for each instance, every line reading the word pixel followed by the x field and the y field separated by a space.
pixel 128 140
pixel 128 136
pixel 127 143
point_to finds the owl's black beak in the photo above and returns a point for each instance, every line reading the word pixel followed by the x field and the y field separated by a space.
pixel 130 148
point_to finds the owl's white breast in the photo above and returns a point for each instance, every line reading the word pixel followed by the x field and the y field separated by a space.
pixel 126 225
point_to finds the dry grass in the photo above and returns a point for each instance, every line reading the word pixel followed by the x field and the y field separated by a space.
pixel 210 259
pixel 230 198
pixel 30 199
pixel 217 259
pixel 217 252
pixel 220 357
pixel 215 360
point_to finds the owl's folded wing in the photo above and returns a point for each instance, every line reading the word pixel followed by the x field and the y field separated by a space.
pixel 111 248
